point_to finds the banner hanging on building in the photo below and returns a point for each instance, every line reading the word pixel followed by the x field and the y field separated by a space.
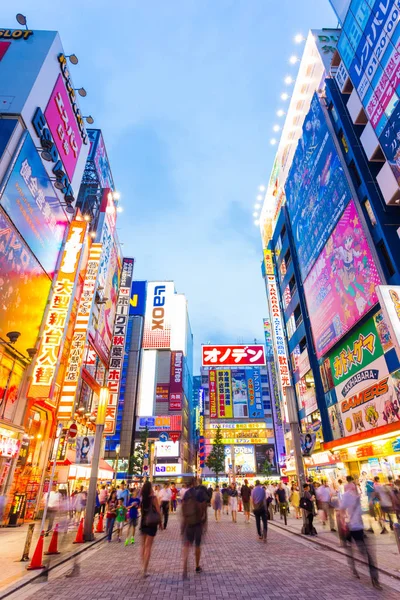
pixel 224 393
pixel 75 357
pixel 176 381
pixel 253 378
pixel 239 393
pixel 212 390
pixel 57 316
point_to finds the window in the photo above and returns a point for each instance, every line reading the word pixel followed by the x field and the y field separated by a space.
pixel 264 378
pixel 387 261
pixel 298 317
pixel 283 233
pixel 288 259
pixel 292 286
pixel 267 404
pixel 343 140
pixel 303 344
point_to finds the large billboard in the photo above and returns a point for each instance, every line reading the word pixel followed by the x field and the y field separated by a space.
pixel 233 355
pixel 159 423
pixel 340 288
pixel 176 381
pixel 316 188
pixel 374 406
pixel 138 298
pixel 253 380
pixel 24 287
pixel 239 393
pixel 212 388
pixel 244 459
pixel 266 456
pixel 157 322
pixel 224 393
pixel 30 201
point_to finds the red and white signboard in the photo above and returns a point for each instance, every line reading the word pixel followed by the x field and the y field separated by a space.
pixel 233 355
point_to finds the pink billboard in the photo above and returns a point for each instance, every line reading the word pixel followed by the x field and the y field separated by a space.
pixel 340 288
pixel 63 126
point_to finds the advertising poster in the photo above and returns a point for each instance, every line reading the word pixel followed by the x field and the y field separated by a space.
pixel 63 126
pixel 307 443
pixel 383 329
pixel 166 449
pixel 266 453
pixel 359 350
pixel 389 298
pixel 24 287
pixel 390 142
pixel 239 393
pixel 84 449
pixel 224 392
pixel 244 459
pixel 340 288
pixel 212 386
pixel 375 405
pixel 176 381
pixel 370 374
pixel 253 379
pixel 32 205
pixel 335 421
pixel 316 188
pixel 159 309
pixel 103 169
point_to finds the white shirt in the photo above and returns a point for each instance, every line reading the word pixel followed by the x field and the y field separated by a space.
pixel 351 503
pixel 324 493
pixel 182 493
pixel 165 495
pixel 54 499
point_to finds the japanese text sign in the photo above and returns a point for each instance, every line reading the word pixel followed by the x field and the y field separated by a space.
pixel 78 343
pixel 160 423
pixel 57 316
pixel 63 126
pixel 224 393
pixel 233 355
pixel 176 381
pixel 212 386
pixel 253 377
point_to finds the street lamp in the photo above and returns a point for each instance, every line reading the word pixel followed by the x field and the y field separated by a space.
pixel 116 459
pixel 94 471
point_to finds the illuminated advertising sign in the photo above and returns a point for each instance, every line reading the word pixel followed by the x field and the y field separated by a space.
pixel 265 453
pixel 162 392
pixel 102 165
pixel 53 335
pixel 157 322
pixel 372 407
pixel 24 287
pixel 244 459
pixel 168 469
pixel 233 355
pixel 168 449
pixel 253 379
pixel 239 393
pixel 160 423
pixel 316 188
pixel 224 394
pixel 138 298
pixel 268 262
pixel 371 373
pixel 78 343
pixel 268 338
pixel 279 338
pixel 15 34
pixel 229 426
pixel 72 98
pixel 118 343
pixel 390 142
pixel 202 443
pixel 212 390
pixel 358 351
pixel 340 288
pixel 176 381
pixel 63 126
pixel 31 203
pixel 389 298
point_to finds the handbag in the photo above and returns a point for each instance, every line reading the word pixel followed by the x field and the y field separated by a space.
pixel 306 504
pixel 152 517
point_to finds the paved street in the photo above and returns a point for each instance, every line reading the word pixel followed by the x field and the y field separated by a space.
pixel 236 566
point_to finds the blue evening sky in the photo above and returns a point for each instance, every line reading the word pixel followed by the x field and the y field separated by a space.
pixel 186 93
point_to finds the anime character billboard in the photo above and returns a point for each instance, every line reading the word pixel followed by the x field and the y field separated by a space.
pixel 340 288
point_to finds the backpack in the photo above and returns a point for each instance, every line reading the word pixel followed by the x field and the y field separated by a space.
pixel 306 504
pixel 192 509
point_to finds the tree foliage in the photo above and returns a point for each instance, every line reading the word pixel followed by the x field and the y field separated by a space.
pixel 216 459
pixel 136 460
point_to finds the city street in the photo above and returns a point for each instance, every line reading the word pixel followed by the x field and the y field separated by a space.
pixel 236 565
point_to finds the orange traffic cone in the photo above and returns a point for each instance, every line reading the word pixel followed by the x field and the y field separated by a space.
pixel 79 534
pixel 240 506
pixel 100 526
pixel 37 558
pixel 52 549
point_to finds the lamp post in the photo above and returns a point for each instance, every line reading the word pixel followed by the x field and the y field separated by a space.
pixel 116 461
pixel 94 471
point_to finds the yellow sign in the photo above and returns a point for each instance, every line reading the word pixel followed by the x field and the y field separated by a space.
pixel 224 392
pixel 238 425
pixel 53 334
pixel 268 262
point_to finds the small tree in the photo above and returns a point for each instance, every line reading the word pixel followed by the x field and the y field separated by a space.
pixel 216 459
pixel 136 460
pixel 267 469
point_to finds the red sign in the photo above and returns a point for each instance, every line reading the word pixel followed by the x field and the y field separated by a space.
pixel 73 430
pixel 174 436
pixel 3 48
pixel 233 356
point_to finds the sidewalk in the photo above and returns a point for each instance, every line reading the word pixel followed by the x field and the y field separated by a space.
pixel 387 554
pixel 12 542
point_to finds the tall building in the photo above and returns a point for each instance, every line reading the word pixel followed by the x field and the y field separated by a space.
pixel 165 391
pixel 329 227
pixel 238 400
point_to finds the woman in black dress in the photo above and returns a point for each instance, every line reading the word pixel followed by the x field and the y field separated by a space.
pixel 151 517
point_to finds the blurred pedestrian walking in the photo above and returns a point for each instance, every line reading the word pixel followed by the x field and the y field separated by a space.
pixel 164 497
pixel 233 501
pixel 111 514
pixel 259 500
pixel 216 503
pixel 194 517
pixel 245 493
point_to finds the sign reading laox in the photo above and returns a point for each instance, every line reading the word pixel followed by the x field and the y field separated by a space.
pixel 157 325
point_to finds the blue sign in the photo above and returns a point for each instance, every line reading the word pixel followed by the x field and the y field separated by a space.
pixel 7 127
pixel 163 437
pixel 31 203
pixel 146 455
pixel 138 298
pixel 316 189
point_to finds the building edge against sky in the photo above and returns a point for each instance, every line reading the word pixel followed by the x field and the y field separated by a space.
pixel 329 227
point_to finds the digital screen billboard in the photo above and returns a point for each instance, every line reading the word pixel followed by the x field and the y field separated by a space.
pixel 31 203
pixel 265 453
pixel 63 126
pixel 316 188
pixel 340 288
pixel 24 287
pixel 138 299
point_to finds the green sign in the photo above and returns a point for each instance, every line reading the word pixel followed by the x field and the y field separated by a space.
pixel 358 351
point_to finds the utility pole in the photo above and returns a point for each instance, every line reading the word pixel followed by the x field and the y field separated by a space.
pixel 295 432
